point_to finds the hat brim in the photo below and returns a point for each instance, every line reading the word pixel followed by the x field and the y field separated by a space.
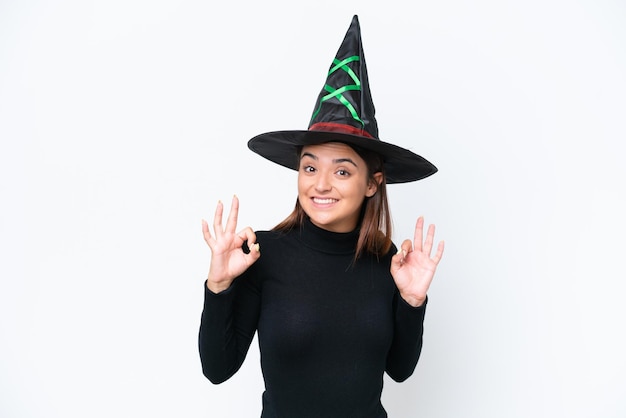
pixel 401 165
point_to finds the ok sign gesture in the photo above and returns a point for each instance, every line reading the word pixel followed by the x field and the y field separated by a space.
pixel 413 268
pixel 228 260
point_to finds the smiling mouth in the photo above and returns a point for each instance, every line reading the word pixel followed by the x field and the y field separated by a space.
pixel 326 201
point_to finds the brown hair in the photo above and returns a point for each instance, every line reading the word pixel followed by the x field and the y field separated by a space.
pixel 375 220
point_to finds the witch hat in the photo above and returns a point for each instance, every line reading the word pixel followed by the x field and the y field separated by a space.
pixel 344 112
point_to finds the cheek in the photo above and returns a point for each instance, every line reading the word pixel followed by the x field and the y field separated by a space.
pixel 304 184
pixel 300 183
pixel 356 191
pixel 363 188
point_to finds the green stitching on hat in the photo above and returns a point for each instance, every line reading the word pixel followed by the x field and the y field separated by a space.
pixel 338 93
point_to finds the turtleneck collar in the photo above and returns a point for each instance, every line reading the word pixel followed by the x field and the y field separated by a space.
pixel 327 241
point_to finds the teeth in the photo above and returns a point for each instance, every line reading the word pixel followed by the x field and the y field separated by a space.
pixel 324 201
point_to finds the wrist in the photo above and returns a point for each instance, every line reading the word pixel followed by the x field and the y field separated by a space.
pixel 217 287
pixel 414 301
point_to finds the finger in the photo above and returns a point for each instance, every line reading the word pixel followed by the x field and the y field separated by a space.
pixel 439 253
pixel 405 248
pixel 233 215
pixel 430 237
pixel 248 235
pixel 397 260
pixel 206 233
pixel 217 220
pixel 419 233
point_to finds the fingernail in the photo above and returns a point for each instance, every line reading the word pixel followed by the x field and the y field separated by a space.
pixel 257 247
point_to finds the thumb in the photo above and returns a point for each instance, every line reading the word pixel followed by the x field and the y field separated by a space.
pixel 254 253
pixel 398 259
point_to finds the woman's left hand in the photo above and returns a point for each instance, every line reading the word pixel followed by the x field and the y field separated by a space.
pixel 413 268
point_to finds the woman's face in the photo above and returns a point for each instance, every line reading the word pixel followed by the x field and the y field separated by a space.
pixel 332 184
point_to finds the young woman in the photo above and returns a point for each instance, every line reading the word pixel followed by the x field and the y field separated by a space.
pixel 334 302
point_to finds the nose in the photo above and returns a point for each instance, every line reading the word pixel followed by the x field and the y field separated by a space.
pixel 322 183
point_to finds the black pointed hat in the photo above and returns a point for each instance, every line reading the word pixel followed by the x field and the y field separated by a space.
pixel 344 112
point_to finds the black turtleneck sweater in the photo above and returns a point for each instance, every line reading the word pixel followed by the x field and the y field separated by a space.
pixel 328 327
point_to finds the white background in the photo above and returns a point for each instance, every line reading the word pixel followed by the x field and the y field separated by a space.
pixel 122 123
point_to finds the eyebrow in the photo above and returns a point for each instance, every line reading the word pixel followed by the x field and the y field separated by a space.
pixel 335 161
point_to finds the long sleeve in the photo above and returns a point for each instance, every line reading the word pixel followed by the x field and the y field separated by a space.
pixel 328 327
pixel 228 324
pixel 407 339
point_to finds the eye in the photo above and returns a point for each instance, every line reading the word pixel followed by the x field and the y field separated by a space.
pixel 343 173
pixel 308 169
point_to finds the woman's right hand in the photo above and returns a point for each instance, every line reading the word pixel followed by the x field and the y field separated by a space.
pixel 228 260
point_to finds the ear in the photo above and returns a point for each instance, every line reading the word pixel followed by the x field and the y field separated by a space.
pixel 372 187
